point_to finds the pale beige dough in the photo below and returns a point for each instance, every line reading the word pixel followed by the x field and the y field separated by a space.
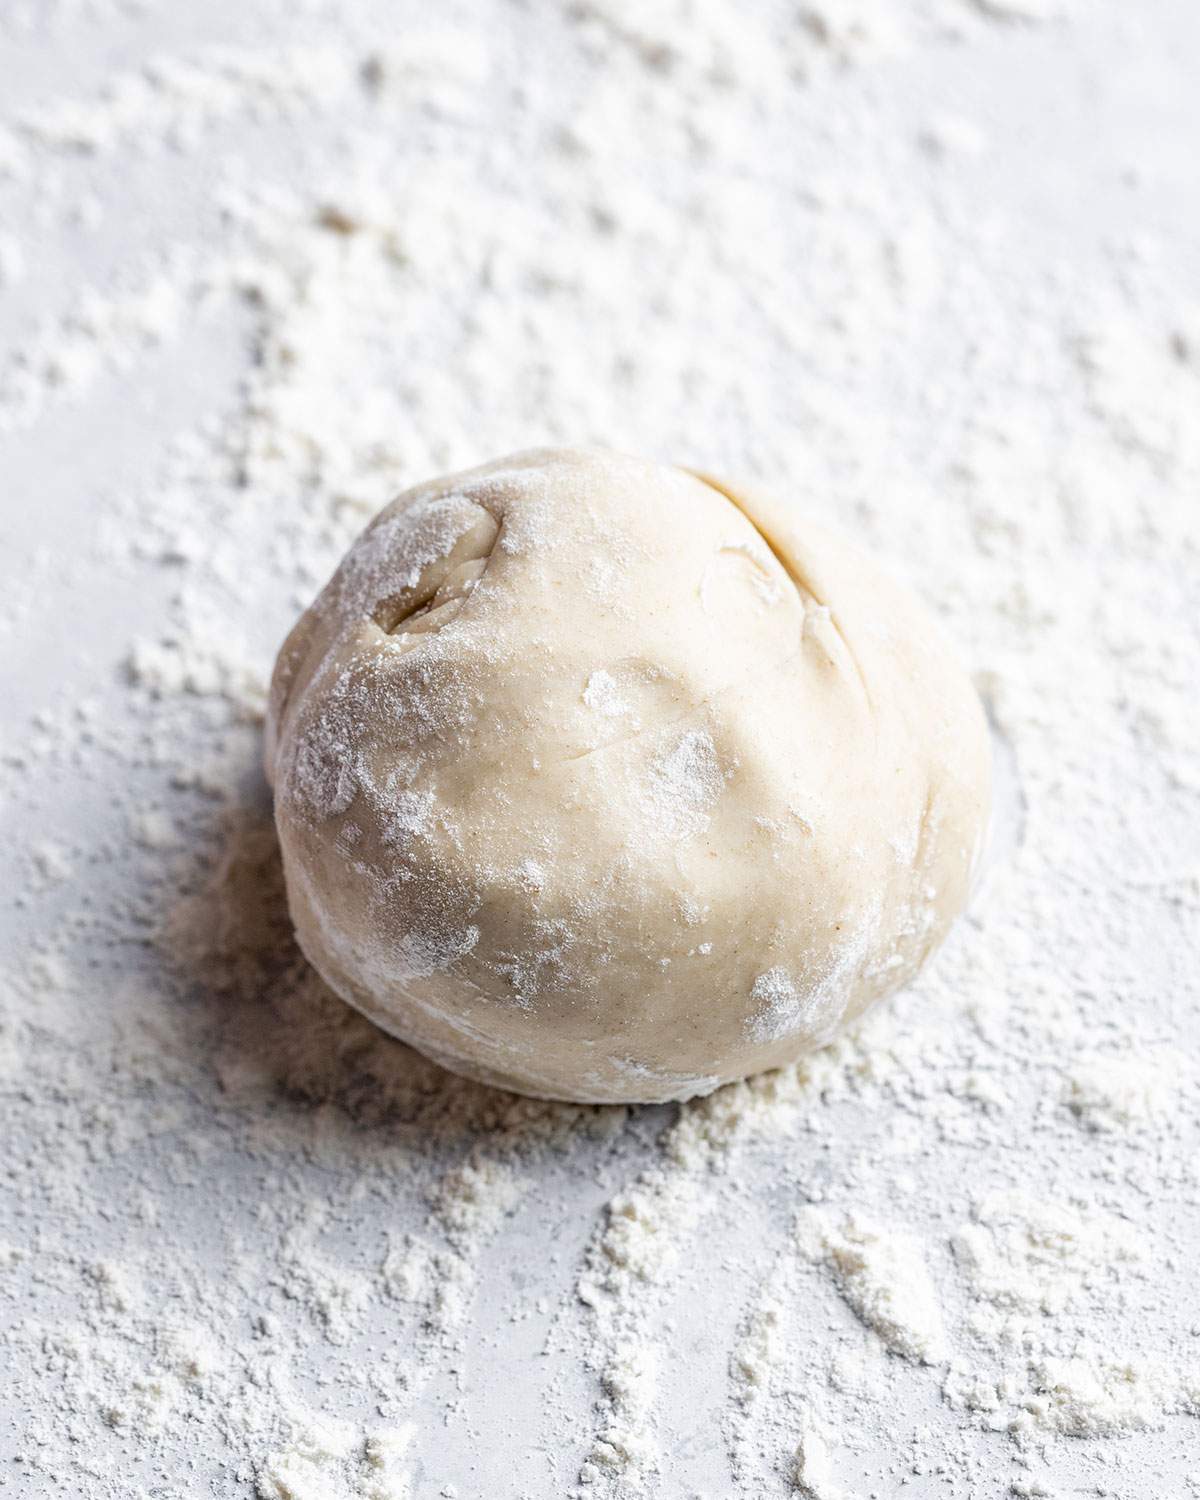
pixel 600 780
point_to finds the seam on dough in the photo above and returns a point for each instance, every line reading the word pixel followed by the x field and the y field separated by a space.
pixel 421 603
pixel 801 584
pixel 680 718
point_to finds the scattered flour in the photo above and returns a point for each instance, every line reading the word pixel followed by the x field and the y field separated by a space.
pixel 883 1277
pixel 626 1268
pixel 171 102
pixel 814 1468
pixel 250 1240
pixel 1032 1256
pixel 1123 1093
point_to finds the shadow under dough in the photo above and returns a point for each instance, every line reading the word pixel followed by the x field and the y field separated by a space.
pixel 279 1031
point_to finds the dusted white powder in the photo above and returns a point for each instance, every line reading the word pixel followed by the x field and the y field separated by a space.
pixel 813 1467
pixel 884 1280
pixel 250 288
pixel 684 783
pixel 602 694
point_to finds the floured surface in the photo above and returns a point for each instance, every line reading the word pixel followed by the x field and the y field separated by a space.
pixel 933 271
pixel 817 800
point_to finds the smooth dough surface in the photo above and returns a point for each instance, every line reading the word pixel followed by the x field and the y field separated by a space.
pixel 600 780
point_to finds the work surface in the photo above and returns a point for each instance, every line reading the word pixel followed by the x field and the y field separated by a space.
pixel 930 269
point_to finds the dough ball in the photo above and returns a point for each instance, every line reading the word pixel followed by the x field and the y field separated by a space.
pixel 600 780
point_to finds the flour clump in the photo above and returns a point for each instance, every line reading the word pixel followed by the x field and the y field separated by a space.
pixel 601 780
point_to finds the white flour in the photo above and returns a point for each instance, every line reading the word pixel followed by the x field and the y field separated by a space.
pixel 881 1273
pixel 686 779
pixel 248 1244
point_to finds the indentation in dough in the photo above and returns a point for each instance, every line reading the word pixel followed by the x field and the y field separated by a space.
pixel 738 579
pixel 647 719
pixel 820 622
pixel 445 602
pixel 434 566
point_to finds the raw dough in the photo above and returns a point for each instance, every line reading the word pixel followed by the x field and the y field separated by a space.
pixel 600 780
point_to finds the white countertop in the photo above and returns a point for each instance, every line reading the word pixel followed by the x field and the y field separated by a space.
pixel 931 268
